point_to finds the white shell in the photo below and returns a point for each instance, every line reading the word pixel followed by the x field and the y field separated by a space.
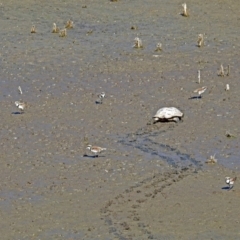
pixel 168 113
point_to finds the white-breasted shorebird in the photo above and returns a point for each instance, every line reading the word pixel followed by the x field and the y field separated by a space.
pixel 200 91
pixel 137 43
pixel 101 96
pixel 95 149
pixel 21 105
pixel 230 181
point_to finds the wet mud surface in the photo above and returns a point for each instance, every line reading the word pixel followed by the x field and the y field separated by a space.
pixel 152 182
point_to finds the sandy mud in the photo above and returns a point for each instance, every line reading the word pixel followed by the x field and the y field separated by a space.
pixel 152 182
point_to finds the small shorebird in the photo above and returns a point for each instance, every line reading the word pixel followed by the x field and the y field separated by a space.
pixel 69 24
pixel 20 105
pixel 230 181
pixel 137 43
pixel 200 91
pixel 95 149
pixel 200 40
pixel 101 96
pixel 33 29
pixel 55 29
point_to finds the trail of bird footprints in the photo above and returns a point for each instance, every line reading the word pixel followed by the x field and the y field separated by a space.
pixel 121 213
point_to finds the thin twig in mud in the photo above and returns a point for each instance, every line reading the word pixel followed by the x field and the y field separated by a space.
pixel 20 90
pixel 55 29
pixel 227 88
pixel 185 12
pixel 228 70
pixel 200 40
pixel 221 71
pixel 199 76
pixel 86 143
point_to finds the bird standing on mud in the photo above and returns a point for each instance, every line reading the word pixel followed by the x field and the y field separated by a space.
pixel 101 96
pixel 230 181
pixel 20 105
pixel 95 149
pixel 200 91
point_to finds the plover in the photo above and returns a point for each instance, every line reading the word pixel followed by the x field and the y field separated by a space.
pixel 200 91
pixel 95 149
pixel 200 40
pixel 185 13
pixel 20 105
pixel 101 96
pixel 230 181
pixel 138 43
pixel 55 29
pixel 33 29
pixel 69 24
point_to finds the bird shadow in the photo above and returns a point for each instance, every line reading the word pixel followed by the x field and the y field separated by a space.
pixel 15 113
pixel 195 97
pixel 226 188
pixel 92 156
pixel 98 102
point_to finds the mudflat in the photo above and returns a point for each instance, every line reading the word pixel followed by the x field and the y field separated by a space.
pixel 152 182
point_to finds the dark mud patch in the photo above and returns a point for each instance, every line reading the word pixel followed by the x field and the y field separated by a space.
pixel 145 140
